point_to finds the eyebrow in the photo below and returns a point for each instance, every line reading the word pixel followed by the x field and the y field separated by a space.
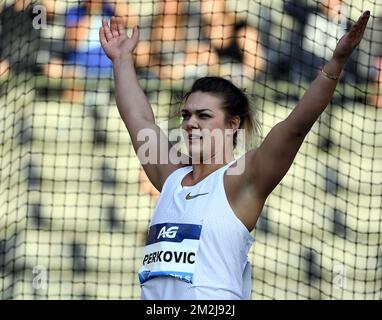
pixel 197 111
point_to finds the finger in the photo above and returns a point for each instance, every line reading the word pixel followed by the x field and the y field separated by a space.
pixel 102 37
pixel 135 35
pixel 365 15
pixel 121 28
pixel 106 29
pixel 364 20
pixel 359 27
pixel 114 28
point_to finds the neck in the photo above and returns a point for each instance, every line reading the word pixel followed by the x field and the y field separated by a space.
pixel 201 170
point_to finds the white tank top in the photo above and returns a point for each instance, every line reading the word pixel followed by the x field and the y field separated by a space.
pixel 196 247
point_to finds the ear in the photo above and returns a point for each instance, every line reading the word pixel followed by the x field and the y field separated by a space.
pixel 235 123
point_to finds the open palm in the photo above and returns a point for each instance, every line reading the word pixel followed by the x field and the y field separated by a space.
pixel 351 39
pixel 114 39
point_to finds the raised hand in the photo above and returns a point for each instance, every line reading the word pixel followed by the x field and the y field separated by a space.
pixel 351 39
pixel 114 39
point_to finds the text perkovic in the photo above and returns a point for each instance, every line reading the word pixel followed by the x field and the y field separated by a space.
pixel 169 256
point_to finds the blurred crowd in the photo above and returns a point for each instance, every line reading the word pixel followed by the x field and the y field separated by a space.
pixel 184 39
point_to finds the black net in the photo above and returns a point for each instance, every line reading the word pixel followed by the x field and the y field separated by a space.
pixel 74 201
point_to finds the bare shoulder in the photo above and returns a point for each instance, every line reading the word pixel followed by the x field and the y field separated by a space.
pixel 241 192
pixel 164 171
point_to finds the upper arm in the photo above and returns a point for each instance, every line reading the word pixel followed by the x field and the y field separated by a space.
pixel 266 166
pixel 259 171
pixel 153 149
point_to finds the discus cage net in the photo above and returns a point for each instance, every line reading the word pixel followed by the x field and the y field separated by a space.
pixel 74 201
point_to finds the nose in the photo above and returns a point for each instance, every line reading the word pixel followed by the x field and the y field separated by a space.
pixel 192 123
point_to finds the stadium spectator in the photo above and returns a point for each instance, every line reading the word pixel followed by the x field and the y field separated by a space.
pixel 20 39
pixel 322 32
pixel 291 61
pixel 83 56
pixel 370 49
pixel 82 25
pixel 175 50
pixel 236 42
pixel 370 59
pixel 376 99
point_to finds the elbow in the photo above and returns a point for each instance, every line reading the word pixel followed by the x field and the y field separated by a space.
pixel 301 132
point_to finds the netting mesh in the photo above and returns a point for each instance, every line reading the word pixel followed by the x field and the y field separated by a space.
pixel 74 201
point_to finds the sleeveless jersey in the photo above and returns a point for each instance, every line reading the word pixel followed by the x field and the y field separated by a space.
pixel 196 246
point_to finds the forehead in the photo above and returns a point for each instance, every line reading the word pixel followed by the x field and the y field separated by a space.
pixel 202 100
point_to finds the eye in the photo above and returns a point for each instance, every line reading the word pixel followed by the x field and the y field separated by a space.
pixel 185 115
pixel 204 116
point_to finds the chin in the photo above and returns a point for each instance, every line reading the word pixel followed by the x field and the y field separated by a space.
pixel 195 156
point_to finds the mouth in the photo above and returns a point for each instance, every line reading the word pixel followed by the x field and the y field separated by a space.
pixel 194 138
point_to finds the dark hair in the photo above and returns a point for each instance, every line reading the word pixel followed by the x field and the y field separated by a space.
pixel 235 102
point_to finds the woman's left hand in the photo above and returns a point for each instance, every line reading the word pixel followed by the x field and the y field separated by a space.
pixel 351 39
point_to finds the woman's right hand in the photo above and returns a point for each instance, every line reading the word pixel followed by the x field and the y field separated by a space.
pixel 115 41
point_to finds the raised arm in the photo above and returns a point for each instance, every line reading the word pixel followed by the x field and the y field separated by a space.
pixel 266 166
pixel 132 103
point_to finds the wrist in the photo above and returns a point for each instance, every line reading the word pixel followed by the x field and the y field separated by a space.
pixel 126 58
pixel 333 68
pixel 329 76
pixel 337 62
